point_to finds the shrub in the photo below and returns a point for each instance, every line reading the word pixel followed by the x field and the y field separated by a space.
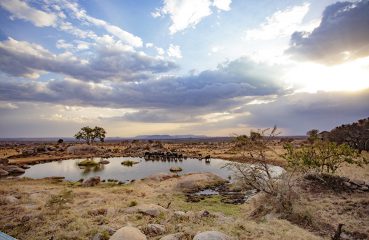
pixel 321 157
pixel 59 201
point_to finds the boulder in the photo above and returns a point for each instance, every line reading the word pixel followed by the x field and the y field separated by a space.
pixel 211 235
pixel 92 181
pixel 196 181
pixel 3 172
pixel 175 169
pixel 12 169
pixel 154 230
pixel 174 236
pixel 104 161
pixel 128 233
pixel 147 209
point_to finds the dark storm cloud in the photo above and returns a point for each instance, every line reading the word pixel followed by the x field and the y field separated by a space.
pixel 23 59
pixel 217 89
pixel 343 35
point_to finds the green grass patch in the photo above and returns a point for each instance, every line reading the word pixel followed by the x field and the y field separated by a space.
pixel 211 204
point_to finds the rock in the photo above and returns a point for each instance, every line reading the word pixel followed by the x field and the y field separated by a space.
pixel 104 161
pixel 147 209
pixel 364 188
pixel 357 182
pixel 211 235
pixel 196 181
pixel 204 213
pixel 175 169
pixel 11 199
pixel 12 169
pixel 98 236
pixel 154 230
pixel 128 233
pixel 25 166
pixel 174 236
pixel 180 215
pixel 347 184
pixel 3 172
pixel 92 181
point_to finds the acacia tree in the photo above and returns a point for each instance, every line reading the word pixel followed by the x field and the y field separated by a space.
pixel 90 134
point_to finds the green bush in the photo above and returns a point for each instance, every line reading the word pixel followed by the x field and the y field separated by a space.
pixel 321 156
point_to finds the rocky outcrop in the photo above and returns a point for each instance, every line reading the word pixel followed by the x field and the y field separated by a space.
pixel 92 181
pixel 128 233
pixel 194 182
pixel 13 169
pixel 212 235
pixel 3 172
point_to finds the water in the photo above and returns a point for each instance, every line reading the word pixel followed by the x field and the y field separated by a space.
pixel 115 170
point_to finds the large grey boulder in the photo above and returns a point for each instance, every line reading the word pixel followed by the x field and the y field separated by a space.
pixel 212 235
pixel 128 233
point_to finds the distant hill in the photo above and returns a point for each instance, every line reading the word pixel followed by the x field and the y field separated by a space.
pixel 169 137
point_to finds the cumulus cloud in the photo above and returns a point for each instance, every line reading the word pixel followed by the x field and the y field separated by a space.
pixel 185 14
pixel 342 35
pixel 221 88
pixel 280 24
pixel 21 10
pixel 111 61
pixel 174 51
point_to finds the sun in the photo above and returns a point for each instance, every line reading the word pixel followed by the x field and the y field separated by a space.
pixel 313 77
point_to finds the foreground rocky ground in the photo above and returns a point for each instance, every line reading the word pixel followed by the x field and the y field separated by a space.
pixel 159 207
pixel 156 208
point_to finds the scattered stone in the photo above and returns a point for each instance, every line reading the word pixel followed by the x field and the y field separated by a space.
pixel 357 182
pixel 12 169
pixel 174 236
pixel 3 172
pixel 175 169
pixel 180 215
pixel 347 184
pixel 211 235
pixel 204 213
pixel 98 236
pixel 154 230
pixel 128 233
pixel 11 199
pixel 25 166
pixel 104 161
pixel 147 209
pixel 92 181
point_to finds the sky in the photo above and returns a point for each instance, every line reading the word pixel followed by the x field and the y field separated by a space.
pixel 204 67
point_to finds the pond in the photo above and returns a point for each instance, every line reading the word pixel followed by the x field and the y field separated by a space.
pixel 115 170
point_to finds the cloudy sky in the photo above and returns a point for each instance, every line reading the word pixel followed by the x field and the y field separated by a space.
pixel 209 67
